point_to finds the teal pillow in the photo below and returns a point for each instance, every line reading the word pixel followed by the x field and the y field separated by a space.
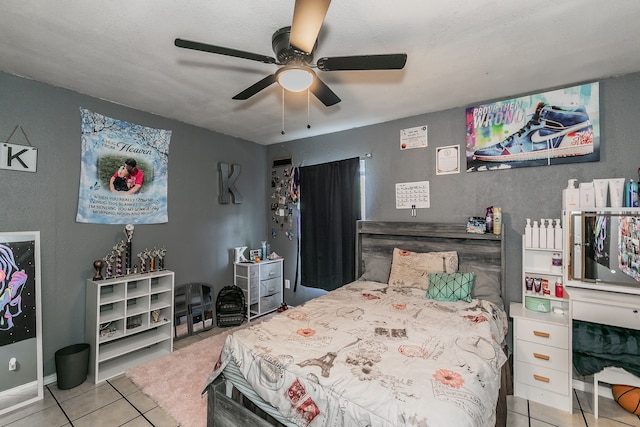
pixel 450 286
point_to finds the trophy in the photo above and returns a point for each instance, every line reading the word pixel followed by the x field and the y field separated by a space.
pixel 97 264
pixel 128 231
pixel 152 263
pixel 162 252
pixel 108 259
pixel 143 261
pixel 119 248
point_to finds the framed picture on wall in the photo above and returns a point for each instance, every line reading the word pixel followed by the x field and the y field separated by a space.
pixel 20 319
pixel 548 128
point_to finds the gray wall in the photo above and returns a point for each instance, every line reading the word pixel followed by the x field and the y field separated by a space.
pixel 534 192
pixel 201 233
pixel 199 237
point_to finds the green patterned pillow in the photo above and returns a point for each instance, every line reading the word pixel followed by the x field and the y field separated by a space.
pixel 450 286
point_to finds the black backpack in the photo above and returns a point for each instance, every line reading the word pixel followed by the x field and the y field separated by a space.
pixel 231 308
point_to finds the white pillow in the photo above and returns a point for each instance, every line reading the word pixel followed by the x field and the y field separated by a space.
pixel 411 269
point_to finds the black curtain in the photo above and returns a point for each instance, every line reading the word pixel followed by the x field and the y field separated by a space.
pixel 329 209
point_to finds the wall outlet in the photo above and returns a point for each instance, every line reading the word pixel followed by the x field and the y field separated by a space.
pixel 287 284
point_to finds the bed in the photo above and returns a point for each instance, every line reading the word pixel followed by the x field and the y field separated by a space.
pixel 385 350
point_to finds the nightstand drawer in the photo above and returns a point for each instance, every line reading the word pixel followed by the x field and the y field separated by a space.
pixel 269 271
pixel 271 286
pixel 542 355
pixel 270 303
pixel 541 377
pixel 542 333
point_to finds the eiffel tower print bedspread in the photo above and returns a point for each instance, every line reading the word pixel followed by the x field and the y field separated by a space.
pixel 368 355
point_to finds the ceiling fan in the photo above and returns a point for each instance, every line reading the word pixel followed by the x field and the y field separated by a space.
pixel 294 47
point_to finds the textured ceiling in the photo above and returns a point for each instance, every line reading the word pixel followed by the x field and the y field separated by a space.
pixel 459 52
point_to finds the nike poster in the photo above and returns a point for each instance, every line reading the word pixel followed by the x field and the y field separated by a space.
pixel 550 128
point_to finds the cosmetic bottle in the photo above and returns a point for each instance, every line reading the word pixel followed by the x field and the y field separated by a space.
pixel 559 288
pixel 497 220
pixel 557 234
pixel 571 196
pixel 535 235
pixel 587 195
pixel 537 285
pixel 527 234
pixel 488 220
pixel 551 239
pixel 542 242
pixel 556 263
pixel 528 283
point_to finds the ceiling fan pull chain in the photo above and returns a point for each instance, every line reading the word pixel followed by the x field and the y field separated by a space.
pixel 308 112
pixel 282 132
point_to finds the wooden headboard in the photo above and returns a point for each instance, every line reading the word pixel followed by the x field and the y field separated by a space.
pixel 482 254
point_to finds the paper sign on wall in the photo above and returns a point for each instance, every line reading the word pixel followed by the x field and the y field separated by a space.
pixel 413 138
pixel 412 195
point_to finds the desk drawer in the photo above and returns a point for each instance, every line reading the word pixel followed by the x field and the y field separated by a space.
pixel 543 378
pixel 543 355
pixel 543 333
pixel 623 317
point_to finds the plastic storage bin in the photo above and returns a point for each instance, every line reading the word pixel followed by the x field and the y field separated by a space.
pixel 72 363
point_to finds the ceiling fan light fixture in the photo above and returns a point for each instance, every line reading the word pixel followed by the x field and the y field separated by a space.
pixel 295 78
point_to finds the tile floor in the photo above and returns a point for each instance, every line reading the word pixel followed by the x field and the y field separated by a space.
pixel 524 413
pixel 118 402
pixel 115 402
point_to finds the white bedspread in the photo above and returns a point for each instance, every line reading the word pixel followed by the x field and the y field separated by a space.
pixel 367 356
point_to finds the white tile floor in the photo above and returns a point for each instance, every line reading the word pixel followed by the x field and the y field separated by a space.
pixel 115 402
pixel 118 402
pixel 524 413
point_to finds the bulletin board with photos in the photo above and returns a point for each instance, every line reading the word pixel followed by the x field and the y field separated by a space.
pixel 284 200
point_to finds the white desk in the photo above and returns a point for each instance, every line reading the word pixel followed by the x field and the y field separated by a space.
pixel 607 308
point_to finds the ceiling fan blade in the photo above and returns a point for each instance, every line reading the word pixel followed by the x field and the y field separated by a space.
pixel 188 44
pixel 395 61
pixel 308 16
pixel 257 87
pixel 323 93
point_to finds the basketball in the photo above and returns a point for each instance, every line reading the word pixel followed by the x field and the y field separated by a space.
pixel 628 397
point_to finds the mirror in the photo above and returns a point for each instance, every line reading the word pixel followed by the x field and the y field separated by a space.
pixel 604 249
pixel 21 379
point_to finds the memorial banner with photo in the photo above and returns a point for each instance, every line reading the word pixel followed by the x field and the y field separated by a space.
pixel 556 127
pixel 123 174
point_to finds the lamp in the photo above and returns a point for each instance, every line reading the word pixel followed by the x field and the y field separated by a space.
pixel 295 78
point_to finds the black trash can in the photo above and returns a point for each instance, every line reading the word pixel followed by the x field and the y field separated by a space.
pixel 72 363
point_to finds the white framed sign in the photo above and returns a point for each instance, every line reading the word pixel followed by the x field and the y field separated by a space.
pixel 448 160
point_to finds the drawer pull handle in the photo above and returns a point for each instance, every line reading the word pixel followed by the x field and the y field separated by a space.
pixel 541 334
pixel 540 378
pixel 540 356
